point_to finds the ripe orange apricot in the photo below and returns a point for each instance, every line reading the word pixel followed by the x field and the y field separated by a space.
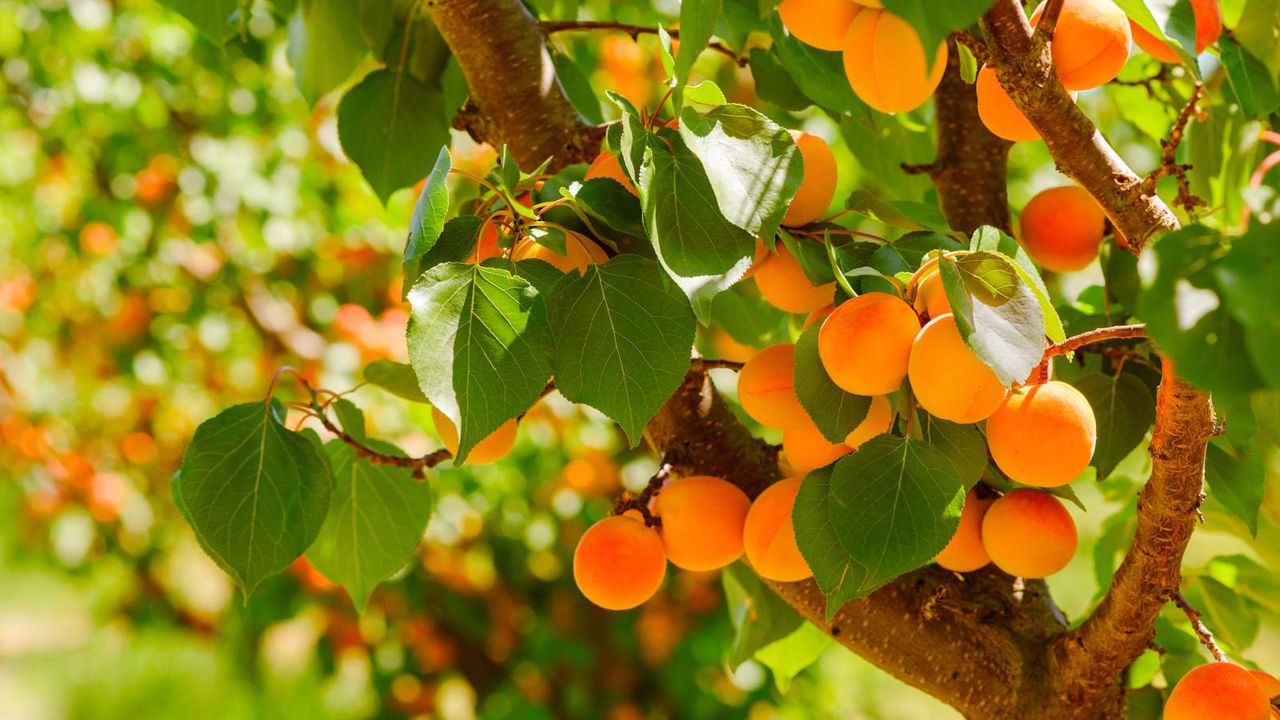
pixel 619 562
pixel 1217 691
pixel 1208 28
pixel 607 165
pixel 1043 435
pixel 930 296
pixel 489 450
pixel 487 246
pixel 1270 687
pixel 820 23
pixel 1061 228
pixel 580 251
pixel 807 449
pixel 947 378
pixel 877 422
pixel 769 538
pixel 819 183
pixel 865 342
pixel 783 284
pixel 998 111
pixel 702 521
pixel 884 61
pixel 871 3
pixel 1090 43
pixel 1028 533
pixel 766 388
pixel 964 552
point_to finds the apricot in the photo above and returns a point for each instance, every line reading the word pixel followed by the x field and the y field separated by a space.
pixel 580 251
pixel 930 295
pixel 606 165
pixel 819 184
pixel 769 538
pixel 1028 533
pixel 1217 691
pixel 1270 687
pixel 807 449
pixel 766 388
pixel 948 379
pixel 998 111
pixel 619 562
pixel 964 552
pixel 486 246
pixel 884 61
pixel 1208 28
pixel 865 342
pixel 820 23
pixel 1090 43
pixel 783 284
pixel 1061 228
pixel 1043 435
pixel 702 521
pixel 871 3
pixel 877 422
pixel 489 450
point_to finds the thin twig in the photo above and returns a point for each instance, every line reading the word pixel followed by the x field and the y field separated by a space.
pixel 640 503
pixel 1202 632
pixel 715 364
pixel 555 26
pixel 1169 156
pixel 1115 332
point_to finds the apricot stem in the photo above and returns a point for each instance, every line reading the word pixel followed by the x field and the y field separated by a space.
pixel 1115 332
pixel 1197 624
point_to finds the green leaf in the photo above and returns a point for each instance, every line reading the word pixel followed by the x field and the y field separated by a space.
pixel 702 290
pixel 456 242
pixel 376 518
pixel 792 654
pixel 1237 481
pixel 605 199
pixel 255 492
pixel 623 334
pixel 1247 277
pixel 350 418
pixel 577 87
pixel 214 18
pixel 774 83
pixel 741 312
pixel 752 163
pixel 990 239
pixel 834 411
pixel 391 126
pixel 818 73
pixel 1252 83
pixel 396 378
pixel 933 20
pixel 323 47
pixel 428 214
pixel 1124 408
pixel 865 203
pixel 894 505
pixel 681 214
pixel 963 445
pixel 705 93
pixel 1170 20
pixel 758 615
pixel 697 23
pixel 480 345
pixel 996 313
pixel 1233 619
pixel 839 576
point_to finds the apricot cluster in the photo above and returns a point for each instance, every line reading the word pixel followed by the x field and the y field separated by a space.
pixel 1222 691
pixel 1091 43
pixel 701 523
pixel 884 59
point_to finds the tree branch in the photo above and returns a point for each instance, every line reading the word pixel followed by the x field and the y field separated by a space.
pixel 1197 624
pixel 1024 67
pixel 1117 332
pixel 1169 156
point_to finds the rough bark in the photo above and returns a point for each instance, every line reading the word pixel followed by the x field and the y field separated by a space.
pixel 972 641
pixel 516 97
pixel 1023 64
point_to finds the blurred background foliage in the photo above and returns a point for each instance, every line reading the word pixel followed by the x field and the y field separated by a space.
pixel 176 221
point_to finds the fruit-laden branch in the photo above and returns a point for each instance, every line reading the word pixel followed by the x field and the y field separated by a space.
pixel 1023 64
pixel 512 81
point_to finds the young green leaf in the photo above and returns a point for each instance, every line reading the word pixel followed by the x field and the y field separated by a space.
pixel 376 518
pixel 623 334
pixel 255 492
pixel 396 378
pixel 480 345
pixel 792 654
pixel 428 214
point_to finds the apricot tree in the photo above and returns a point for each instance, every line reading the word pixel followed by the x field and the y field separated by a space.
pixel 936 394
